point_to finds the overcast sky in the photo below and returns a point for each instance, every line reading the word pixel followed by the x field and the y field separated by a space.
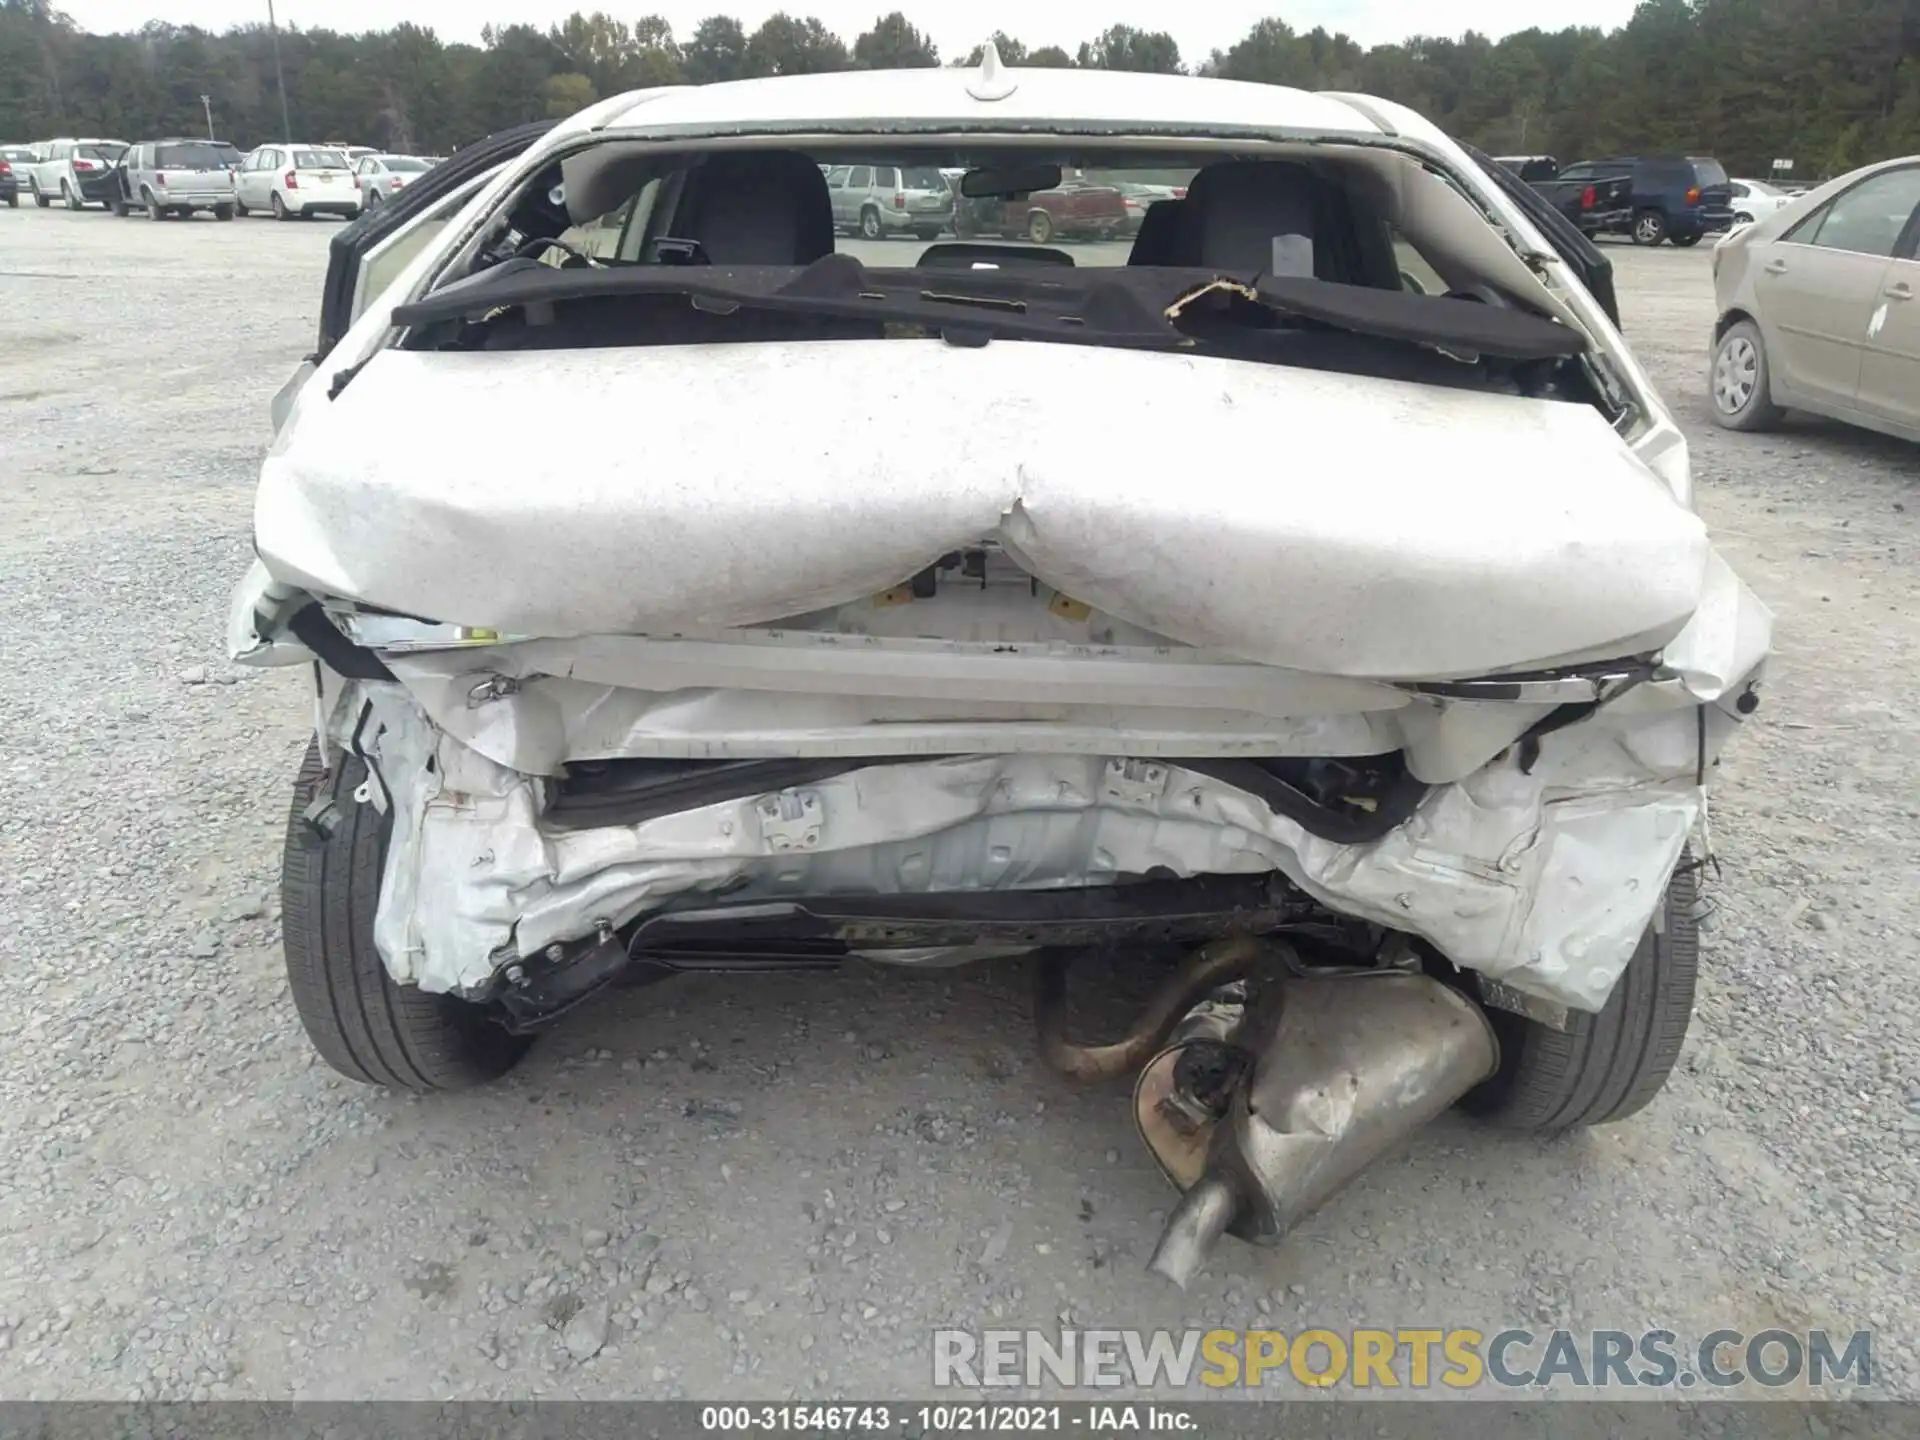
pixel 1199 26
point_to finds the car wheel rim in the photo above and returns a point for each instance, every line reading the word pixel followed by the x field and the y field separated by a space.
pixel 1649 230
pixel 1736 375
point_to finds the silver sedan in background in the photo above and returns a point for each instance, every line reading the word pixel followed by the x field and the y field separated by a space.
pixel 381 177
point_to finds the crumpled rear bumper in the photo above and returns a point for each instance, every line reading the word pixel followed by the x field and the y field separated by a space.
pixel 1543 878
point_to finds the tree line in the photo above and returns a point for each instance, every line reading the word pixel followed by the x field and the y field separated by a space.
pixel 1829 83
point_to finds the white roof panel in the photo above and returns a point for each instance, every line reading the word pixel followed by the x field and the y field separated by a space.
pixel 1069 99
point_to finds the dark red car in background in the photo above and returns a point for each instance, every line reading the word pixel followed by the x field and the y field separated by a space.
pixel 1071 210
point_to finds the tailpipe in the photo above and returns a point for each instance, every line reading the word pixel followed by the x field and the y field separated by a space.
pixel 1260 1109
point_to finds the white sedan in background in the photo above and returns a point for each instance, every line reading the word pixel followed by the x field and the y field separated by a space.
pixel 381 177
pixel 1756 199
pixel 296 181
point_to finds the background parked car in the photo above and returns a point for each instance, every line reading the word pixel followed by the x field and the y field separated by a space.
pixel 1530 167
pixel 880 200
pixel 1681 198
pixel 1137 197
pixel 1071 210
pixel 14 160
pixel 1592 201
pixel 77 173
pixel 174 178
pixel 1820 307
pixel 1754 198
pixel 297 181
pixel 381 176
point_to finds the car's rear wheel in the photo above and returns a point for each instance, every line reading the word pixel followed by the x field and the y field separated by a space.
pixel 1739 382
pixel 1742 218
pixel 240 208
pixel 154 212
pixel 870 224
pixel 362 1023
pixel 1039 227
pixel 1603 1067
pixel 279 207
pixel 41 200
pixel 1649 227
pixel 223 212
pixel 68 198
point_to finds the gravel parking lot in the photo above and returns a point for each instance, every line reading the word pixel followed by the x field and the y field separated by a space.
pixel 779 1187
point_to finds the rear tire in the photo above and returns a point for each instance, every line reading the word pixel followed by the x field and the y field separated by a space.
pixel 223 212
pixel 240 208
pixel 870 224
pixel 279 207
pixel 1039 227
pixel 68 198
pixel 362 1023
pixel 41 200
pixel 1603 1067
pixel 1649 228
pixel 154 212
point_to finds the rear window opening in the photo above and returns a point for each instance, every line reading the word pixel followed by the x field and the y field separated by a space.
pixel 1327 264
pixel 190 157
pixel 319 160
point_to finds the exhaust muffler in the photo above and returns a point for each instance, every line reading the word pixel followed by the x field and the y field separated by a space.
pixel 1262 1105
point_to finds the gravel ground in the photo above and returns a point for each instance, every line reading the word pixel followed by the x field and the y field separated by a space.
pixel 759 1190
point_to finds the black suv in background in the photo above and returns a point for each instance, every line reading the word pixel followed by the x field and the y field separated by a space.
pixel 1681 198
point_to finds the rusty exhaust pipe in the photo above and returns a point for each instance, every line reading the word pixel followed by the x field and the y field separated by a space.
pixel 1260 1110
pixel 1206 970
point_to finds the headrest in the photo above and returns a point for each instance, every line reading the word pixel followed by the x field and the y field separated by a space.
pixel 760 207
pixel 1250 217
pixel 1154 242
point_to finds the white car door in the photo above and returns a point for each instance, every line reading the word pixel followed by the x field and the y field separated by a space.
pixel 250 175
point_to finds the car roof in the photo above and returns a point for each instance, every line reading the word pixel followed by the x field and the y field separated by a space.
pixel 1078 99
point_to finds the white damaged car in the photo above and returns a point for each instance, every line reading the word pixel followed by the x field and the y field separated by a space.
pixel 1307 595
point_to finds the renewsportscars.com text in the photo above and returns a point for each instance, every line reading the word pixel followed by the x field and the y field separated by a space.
pixel 1402 1359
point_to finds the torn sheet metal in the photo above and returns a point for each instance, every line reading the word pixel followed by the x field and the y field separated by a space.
pixel 1339 525
pixel 1544 880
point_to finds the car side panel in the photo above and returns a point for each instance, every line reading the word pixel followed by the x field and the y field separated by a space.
pixel 1814 306
pixel 1890 359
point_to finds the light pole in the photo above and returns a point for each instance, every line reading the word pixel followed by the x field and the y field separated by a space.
pixel 206 104
pixel 280 78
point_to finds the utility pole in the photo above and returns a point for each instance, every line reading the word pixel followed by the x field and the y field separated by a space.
pixel 206 104
pixel 280 78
